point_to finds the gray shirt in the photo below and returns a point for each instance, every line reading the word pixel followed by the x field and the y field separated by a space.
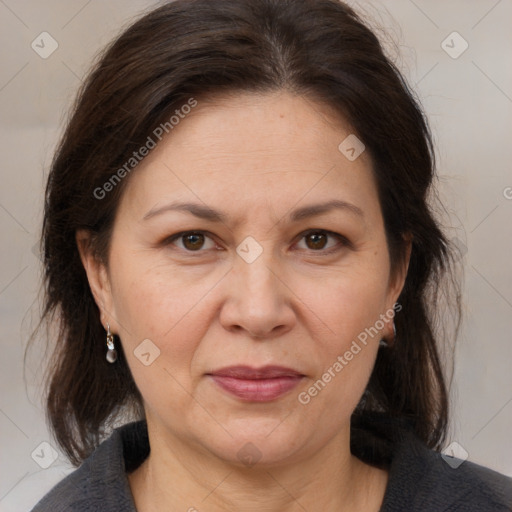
pixel 420 479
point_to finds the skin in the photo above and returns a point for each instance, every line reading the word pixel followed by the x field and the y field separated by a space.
pixel 255 158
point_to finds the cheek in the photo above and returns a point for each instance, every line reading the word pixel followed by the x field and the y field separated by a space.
pixel 348 303
pixel 152 298
pixel 164 326
pixel 345 355
pixel 163 308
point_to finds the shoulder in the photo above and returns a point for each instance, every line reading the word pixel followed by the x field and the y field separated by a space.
pixel 100 483
pixel 422 479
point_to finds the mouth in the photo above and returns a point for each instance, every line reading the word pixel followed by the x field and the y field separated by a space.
pixel 256 384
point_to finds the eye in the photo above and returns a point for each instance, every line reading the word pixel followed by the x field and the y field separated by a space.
pixel 192 241
pixel 317 240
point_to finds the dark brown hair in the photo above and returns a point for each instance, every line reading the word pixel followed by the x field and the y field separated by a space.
pixel 319 49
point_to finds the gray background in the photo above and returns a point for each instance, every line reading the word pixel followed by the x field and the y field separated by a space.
pixel 469 103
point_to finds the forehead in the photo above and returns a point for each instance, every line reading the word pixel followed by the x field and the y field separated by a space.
pixel 253 149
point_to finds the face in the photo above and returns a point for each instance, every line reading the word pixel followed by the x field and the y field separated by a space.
pixel 252 276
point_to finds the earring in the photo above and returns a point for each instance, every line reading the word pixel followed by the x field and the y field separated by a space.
pixel 384 343
pixel 111 352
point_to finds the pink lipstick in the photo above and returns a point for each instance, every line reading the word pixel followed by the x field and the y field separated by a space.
pixel 256 384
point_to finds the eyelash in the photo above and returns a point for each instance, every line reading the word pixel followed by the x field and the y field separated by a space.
pixel 344 242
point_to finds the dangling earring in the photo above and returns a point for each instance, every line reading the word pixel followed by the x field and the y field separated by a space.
pixel 394 333
pixel 384 343
pixel 111 352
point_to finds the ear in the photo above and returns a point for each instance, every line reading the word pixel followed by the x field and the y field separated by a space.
pixel 395 287
pixel 98 278
pixel 397 282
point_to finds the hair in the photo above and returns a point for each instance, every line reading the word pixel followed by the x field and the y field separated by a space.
pixel 319 49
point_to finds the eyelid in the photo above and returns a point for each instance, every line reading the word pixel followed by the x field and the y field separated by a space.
pixel 344 241
pixel 169 240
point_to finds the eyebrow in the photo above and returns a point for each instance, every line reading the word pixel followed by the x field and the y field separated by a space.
pixel 206 213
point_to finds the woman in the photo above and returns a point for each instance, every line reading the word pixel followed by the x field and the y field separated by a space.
pixel 241 255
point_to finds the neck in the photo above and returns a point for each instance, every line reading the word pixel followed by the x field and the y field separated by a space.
pixel 188 478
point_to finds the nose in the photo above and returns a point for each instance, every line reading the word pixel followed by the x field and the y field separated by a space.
pixel 258 301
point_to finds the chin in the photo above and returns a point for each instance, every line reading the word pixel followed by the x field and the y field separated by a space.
pixel 263 442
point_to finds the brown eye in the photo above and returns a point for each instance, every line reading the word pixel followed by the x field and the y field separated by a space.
pixel 193 241
pixel 324 242
pixel 316 240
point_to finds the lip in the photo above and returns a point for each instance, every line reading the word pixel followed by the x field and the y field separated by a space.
pixel 256 384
